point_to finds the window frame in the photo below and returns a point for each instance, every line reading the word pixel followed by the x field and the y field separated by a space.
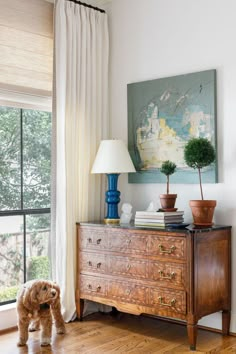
pixel 14 99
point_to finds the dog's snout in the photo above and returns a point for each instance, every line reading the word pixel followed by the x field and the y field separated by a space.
pixel 53 292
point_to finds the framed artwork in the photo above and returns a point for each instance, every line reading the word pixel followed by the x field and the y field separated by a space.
pixel 163 115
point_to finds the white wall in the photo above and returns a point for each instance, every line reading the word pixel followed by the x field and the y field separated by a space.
pixel 151 39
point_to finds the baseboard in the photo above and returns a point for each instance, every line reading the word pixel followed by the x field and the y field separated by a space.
pixel 8 330
pixel 200 326
pixel 8 318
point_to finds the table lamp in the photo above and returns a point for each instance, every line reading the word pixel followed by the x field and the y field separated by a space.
pixel 112 158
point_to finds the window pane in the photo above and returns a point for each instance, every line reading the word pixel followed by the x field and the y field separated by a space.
pixel 10 178
pixel 37 237
pixel 36 159
pixel 11 256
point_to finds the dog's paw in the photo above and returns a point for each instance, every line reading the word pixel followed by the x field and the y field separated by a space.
pixel 61 330
pixel 21 343
pixel 45 342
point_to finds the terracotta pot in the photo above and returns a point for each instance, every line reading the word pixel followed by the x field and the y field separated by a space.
pixel 168 201
pixel 202 211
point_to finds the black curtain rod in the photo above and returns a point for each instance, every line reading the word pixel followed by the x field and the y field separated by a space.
pixel 87 5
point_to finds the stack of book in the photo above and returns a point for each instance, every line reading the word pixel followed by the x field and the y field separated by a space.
pixel 158 218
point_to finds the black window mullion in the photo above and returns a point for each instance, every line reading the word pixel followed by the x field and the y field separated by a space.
pixel 24 243
pixel 21 160
pixel 24 212
pixel 21 193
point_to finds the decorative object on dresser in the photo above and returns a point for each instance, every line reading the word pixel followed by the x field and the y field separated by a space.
pixel 175 274
pixel 158 218
pixel 126 214
pixel 200 153
pixel 168 200
pixel 112 158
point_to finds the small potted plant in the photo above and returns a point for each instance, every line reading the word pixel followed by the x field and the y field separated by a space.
pixel 200 153
pixel 168 200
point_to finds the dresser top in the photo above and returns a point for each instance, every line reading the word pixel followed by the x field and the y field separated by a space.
pixel 175 228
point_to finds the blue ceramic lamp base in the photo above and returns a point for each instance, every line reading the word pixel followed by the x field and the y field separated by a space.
pixel 112 199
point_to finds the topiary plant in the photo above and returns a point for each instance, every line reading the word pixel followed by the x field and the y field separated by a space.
pixel 199 153
pixel 168 168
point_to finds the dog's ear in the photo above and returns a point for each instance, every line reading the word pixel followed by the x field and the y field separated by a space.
pixel 33 295
pixel 30 297
pixel 26 299
pixel 56 302
pixel 56 286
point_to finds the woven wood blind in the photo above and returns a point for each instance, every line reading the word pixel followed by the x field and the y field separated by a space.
pixel 26 45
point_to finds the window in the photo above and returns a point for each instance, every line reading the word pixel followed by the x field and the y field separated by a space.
pixel 25 173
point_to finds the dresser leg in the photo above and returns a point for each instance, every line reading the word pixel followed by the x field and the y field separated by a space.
pixel 225 321
pixel 192 335
pixel 80 308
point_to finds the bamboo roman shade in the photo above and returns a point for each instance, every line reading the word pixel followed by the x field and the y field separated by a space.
pixel 26 45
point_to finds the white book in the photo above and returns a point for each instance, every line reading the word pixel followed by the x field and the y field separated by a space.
pixel 161 221
pixel 158 214
pixel 158 217
pixel 164 213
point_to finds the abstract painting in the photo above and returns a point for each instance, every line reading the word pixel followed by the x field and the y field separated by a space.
pixel 163 114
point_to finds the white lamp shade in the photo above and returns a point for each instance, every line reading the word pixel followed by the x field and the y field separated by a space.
pixel 112 157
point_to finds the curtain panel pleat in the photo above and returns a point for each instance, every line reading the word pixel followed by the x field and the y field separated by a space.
pixel 80 122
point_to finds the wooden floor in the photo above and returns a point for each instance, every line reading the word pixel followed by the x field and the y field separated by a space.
pixel 100 333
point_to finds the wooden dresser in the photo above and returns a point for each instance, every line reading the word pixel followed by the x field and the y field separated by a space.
pixel 177 274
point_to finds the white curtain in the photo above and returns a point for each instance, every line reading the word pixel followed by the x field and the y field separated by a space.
pixel 80 121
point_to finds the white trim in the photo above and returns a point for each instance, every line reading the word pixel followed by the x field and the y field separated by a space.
pixel 8 317
pixel 25 100
pixel 215 318
pixel 91 2
pixel 233 323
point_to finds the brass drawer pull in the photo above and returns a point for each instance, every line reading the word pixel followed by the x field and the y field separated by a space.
pixel 168 251
pixel 171 304
pixel 128 242
pixel 91 288
pixel 128 291
pixel 98 264
pixel 94 243
pixel 169 276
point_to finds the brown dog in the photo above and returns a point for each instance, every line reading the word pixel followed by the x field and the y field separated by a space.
pixel 37 301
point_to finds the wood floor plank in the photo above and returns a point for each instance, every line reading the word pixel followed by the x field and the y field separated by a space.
pixel 124 334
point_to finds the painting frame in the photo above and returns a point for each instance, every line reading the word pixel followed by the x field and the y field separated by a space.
pixel 163 114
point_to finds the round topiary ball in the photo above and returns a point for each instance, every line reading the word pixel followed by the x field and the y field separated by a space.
pixel 168 168
pixel 199 153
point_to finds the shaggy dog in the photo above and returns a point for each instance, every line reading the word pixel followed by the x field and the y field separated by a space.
pixel 37 301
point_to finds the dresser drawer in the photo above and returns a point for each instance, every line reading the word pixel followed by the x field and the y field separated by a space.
pixel 93 238
pixel 125 266
pixel 92 262
pixel 127 242
pixel 168 300
pixel 167 273
pixel 168 247
pixel 128 292
pixel 92 285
